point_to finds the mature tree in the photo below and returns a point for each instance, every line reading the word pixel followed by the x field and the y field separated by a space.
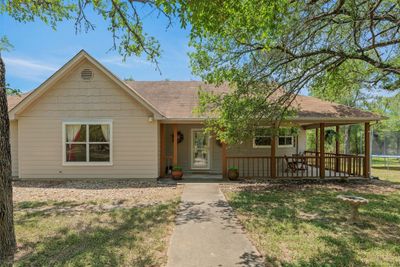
pixel 387 106
pixel 348 85
pixel 389 129
pixel 7 235
pixel 125 23
pixel 291 43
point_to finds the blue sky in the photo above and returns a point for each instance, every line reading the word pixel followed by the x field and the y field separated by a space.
pixel 39 51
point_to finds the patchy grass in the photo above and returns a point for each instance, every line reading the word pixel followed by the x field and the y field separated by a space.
pixel 99 232
pixel 305 225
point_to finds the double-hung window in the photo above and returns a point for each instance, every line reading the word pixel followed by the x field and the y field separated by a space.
pixel 286 138
pixel 87 143
pixel 262 137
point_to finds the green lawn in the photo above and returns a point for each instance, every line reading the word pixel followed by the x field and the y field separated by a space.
pixel 107 224
pixel 389 170
pixel 388 162
pixel 387 174
pixel 305 225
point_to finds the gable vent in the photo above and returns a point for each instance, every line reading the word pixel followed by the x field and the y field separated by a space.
pixel 87 74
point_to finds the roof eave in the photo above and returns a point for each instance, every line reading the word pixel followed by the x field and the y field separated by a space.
pixel 336 119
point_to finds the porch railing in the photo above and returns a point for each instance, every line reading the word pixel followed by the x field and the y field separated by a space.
pixel 301 167
pixel 306 166
pixel 342 164
pixel 257 167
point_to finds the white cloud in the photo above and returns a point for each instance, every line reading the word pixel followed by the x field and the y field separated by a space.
pixel 20 62
pixel 129 63
pixel 28 69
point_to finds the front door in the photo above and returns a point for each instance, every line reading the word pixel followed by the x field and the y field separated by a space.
pixel 200 151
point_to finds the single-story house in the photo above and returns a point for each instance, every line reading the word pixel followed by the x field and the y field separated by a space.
pixel 84 122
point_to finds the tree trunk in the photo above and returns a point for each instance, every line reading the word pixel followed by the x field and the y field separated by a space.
pixel 347 139
pixel 7 234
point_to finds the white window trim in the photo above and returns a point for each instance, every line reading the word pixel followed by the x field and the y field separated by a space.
pixel 254 138
pixel 285 136
pixel 86 122
pixel 191 150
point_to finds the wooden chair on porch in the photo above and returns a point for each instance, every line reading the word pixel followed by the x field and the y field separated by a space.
pixel 290 165
pixel 301 160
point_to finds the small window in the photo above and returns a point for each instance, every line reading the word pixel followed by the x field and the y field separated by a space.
pixel 87 143
pixel 262 137
pixel 286 138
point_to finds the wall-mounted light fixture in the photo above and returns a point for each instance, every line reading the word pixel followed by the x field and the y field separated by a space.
pixel 151 118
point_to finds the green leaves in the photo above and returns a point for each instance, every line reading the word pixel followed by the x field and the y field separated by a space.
pixel 339 49
pixel 5 44
pixel 233 117
pixel 50 12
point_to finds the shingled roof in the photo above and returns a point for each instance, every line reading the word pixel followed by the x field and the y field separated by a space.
pixel 13 100
pixel 177 99
pixel 174 99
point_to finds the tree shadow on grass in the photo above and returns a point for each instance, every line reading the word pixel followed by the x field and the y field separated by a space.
pixel 291 210
pixel 100 245
pixel 339 254
pixel 29 212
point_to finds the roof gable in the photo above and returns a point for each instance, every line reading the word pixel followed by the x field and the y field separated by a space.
pixel 20 103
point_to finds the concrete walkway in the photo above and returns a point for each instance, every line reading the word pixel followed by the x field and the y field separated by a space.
pixel 207 232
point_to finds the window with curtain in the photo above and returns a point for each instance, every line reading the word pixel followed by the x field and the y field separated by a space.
pixel 88 142
pixel 262 137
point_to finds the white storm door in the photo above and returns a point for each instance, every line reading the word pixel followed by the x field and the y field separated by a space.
pixel 200 150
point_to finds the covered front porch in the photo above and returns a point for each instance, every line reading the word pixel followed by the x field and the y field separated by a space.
pixel 200 155
pixel 185 145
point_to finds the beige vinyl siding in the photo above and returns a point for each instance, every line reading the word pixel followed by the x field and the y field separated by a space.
pixel 40 129
pixel 14 147
pixel 184 149
pixel 302 141
pixel 247 149
pixel 158 144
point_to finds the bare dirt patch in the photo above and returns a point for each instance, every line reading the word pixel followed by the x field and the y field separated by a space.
pixel 121 192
